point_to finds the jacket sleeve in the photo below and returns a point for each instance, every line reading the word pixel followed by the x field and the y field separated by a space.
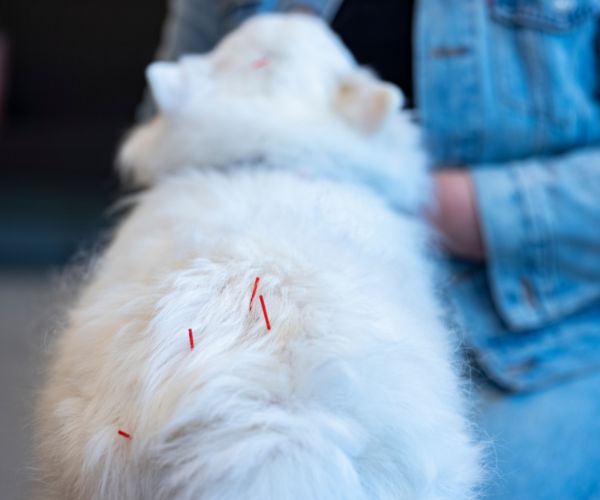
pixel 541 225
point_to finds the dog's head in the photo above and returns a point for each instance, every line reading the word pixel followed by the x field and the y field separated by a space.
pixel 277 88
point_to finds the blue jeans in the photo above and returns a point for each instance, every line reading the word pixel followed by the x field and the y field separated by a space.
pixel 544 445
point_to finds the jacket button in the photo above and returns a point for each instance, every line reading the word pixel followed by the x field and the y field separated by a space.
pixel 528 293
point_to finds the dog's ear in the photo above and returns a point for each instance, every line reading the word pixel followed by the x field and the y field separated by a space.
pixel 366 103
pixel 166 84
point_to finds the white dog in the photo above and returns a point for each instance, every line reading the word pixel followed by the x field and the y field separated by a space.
pixel 182 376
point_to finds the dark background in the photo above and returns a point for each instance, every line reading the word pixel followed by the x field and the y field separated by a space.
pixel 71 76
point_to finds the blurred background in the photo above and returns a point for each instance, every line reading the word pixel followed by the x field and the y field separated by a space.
pixel 71 76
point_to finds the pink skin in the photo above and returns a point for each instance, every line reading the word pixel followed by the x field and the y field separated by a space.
pixel 455 215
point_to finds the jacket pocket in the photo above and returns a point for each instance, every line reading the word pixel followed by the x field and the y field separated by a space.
pixel 542 56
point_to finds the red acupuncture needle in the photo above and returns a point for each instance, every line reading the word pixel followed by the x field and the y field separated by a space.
pixel 191 335
pixel 124 434
pixel 264 310
pixel 253 293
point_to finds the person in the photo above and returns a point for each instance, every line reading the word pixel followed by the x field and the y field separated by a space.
pixel 508 95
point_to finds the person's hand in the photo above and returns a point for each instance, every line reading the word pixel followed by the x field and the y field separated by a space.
pixel 455 214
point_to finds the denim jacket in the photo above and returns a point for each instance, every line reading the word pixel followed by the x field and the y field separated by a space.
pixel 511 89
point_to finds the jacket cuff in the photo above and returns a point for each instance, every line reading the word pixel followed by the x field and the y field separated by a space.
pixel 516 223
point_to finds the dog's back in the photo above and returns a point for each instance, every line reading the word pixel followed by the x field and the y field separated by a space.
pixel 183 376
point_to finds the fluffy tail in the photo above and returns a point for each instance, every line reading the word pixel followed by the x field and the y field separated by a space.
pixel 270 454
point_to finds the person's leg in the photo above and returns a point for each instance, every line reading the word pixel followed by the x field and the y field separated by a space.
pixel 545 445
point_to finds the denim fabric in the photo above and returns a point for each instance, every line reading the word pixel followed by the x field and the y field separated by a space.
pixel 545 244
pixel 544 443
pixel 510 88
pixel 530 359
pixel 509 79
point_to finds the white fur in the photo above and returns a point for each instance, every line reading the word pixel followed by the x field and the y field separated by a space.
pixel 261 171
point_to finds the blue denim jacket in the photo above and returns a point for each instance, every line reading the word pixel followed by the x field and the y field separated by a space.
pixel 511 89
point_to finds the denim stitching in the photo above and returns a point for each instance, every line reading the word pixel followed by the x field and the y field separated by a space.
pixel 541 18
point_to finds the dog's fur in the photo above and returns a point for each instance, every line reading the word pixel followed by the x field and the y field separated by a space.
pixel 255 165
